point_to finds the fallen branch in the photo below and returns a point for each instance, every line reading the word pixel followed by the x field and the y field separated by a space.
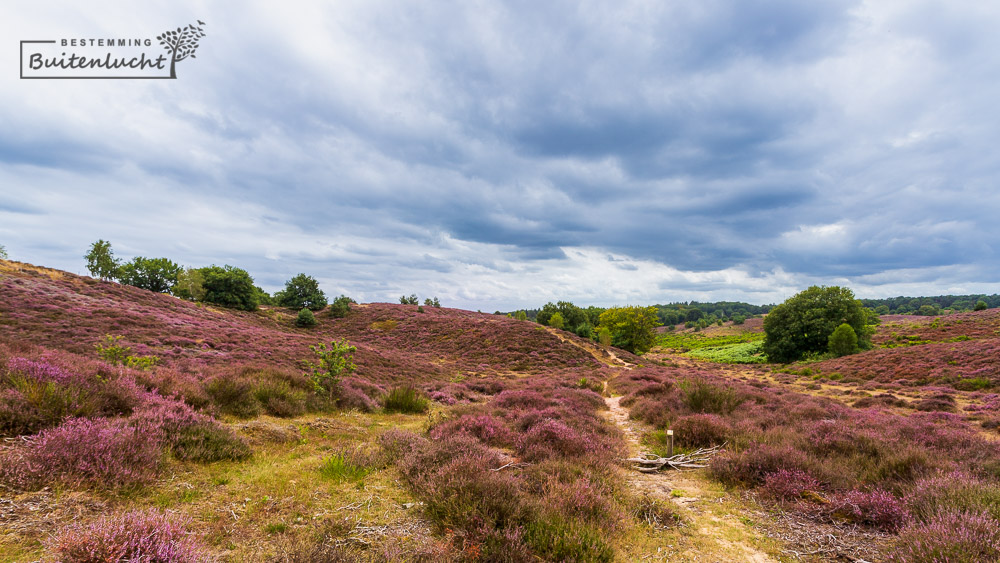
pixel 650 463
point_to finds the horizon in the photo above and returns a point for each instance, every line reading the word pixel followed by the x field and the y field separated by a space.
pixel 502 158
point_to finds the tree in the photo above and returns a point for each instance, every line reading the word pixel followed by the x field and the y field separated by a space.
pixel 632 328
pixel 181 44
pixel 101 261
pixel 928 310
pixel 229 286
pixel 411 300
pixel 153 274
pixel 263 297
pixel 189 285
pixel 843 341
pixel 3 252
pixel 803 323
pixel 301 291
pixel 980 305
pixel 556 321
pixel 604 336
pixel 432 302
pixel 341 306
pixel 521 315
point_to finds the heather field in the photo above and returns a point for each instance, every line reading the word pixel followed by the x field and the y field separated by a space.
pixel 135 425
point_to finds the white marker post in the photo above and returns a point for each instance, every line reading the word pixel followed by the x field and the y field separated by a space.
pixel 670 443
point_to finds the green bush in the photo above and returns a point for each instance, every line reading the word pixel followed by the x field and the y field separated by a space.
pixel 306 318
pixel 233 395
pixel 231 287
pixel 341 306
pixel 405 400
pixel 334 363
pixel 843 341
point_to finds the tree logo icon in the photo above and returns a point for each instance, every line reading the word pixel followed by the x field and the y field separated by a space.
pixel 181 43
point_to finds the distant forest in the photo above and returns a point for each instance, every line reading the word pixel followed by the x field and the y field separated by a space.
pixel 693 313
pixel 931 305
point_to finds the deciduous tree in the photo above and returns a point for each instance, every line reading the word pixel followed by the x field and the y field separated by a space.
pixel 302 291
pixel 803 323
pixel 632 328
pixel 101 261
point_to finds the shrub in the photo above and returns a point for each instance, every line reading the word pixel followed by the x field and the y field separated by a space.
pixel 551 438
pixel 876 508
pixel 233 395
pixel 90 452
pixel 341 306
pixel 306 318
pixel 147 536
pixel 751 466
pixel 701 430
pixel 405 400
pixel 209 442
pixel 334 363
pixel 359 394
pixel 955 537
pixel 703 397
pixel 558 539
pixel 485 428
pixel 789 484
pixel 953 492
pixel 279 399
pixel 843 341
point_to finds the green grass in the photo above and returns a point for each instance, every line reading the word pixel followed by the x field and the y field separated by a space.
pixel 739 353
pixel 697 340
pixel 338 468
pixel 405 400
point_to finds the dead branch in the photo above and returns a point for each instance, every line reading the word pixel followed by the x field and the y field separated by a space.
pixel 650 463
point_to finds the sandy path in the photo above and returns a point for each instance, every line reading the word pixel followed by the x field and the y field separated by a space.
pixel 688 490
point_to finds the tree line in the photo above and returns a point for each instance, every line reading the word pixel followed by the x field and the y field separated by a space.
pixel 226 286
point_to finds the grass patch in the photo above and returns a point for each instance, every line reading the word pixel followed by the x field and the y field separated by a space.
pixel 405 400
pixel 338 467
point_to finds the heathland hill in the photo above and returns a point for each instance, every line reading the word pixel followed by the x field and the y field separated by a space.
pixel 135 421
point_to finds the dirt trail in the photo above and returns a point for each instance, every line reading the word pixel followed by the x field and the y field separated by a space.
pixel 601 354
pixel 723 535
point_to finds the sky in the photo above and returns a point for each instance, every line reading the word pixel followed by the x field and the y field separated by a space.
pixel 499 155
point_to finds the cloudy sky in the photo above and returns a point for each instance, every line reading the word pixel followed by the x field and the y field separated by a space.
pixel 504 154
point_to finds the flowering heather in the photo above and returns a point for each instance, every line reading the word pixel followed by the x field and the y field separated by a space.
pixel 86 452
pixel 875 508
pixel 953 537
pixel 140 536
pixel 951 492
pixel 786 484
pixel 485 428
